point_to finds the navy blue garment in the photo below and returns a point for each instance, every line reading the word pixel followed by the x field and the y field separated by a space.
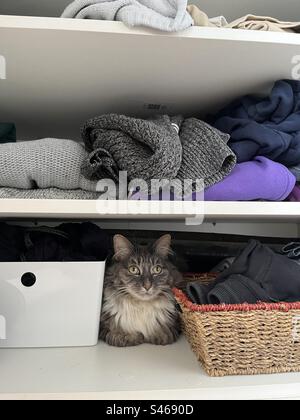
pixel 268 127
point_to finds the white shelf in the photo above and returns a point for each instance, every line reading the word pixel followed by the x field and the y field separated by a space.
pixel 145 372
pixel 48 94
pixel 146 210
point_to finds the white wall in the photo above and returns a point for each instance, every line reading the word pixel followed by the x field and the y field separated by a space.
pixel 285 9
pixel 232 9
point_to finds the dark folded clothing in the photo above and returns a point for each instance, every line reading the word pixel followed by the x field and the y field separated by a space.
pixel 268 127
pixel 257 274
pixel 68 242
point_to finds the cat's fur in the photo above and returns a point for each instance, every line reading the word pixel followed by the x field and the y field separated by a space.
pixel 140 308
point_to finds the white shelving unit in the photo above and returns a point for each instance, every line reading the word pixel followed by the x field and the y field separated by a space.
pixel 150 210
pixel 59 73
pixel 48 94
pixel 145 372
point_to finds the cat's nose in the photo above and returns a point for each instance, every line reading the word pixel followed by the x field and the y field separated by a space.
pixel 147 285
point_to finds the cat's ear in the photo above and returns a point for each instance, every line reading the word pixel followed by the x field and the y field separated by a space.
pixel 162 246
pixel 122 247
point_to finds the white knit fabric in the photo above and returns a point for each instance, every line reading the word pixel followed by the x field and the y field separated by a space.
pixel 44 163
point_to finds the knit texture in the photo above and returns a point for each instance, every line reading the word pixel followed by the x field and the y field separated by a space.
pixel 48 194
pixel 205 153
pixel 43 163
pixel 146 149
pixel 165 15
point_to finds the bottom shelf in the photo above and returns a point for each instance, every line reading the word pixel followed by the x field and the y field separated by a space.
pixel 144 372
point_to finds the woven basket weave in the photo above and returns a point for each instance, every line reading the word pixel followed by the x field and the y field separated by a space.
pixel 243 339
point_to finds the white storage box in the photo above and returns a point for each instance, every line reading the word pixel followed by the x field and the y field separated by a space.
pixel 50 304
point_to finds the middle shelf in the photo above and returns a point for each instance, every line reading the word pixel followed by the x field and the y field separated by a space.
pixel 196 212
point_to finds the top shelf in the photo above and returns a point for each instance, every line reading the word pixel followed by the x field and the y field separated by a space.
pixel 66 71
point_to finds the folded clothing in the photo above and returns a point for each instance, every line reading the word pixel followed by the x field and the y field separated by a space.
pixel 44 163
pixel 268 127
pixel 257 274
pixel 48 194
pixel 200 18
pixel 161 149
pixel 7 133
pixel 264 23
pixel 165 15
pixel 295 194
pixel 205 154
pixel 145 149
pixel 261 179
pixel 67 242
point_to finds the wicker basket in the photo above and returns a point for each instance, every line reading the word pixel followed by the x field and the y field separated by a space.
pixel 243 339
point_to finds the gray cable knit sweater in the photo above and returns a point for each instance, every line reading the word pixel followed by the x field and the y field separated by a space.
pixel 43 164
pixel 165 148
pixel 206 155
pixel 146 149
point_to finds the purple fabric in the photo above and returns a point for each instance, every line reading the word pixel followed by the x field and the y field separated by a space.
pixel 260 179
pixel 295 194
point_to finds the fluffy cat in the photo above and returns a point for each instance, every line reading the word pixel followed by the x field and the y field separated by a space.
pixel 138 305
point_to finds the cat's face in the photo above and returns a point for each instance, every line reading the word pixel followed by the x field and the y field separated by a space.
pixel 141 272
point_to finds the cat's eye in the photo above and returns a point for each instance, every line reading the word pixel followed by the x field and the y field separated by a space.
pixel 133 269
pixel 157 269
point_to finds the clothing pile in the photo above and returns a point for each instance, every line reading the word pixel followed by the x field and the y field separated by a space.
pixel 250 150
pixel 267 128
pixel 162 149
pixel 257 275
pixel 168 15
pixel 67 242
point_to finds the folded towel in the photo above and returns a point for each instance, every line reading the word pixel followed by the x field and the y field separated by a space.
pixel 165 15
pixel 44 163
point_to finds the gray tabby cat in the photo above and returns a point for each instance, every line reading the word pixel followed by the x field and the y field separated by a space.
pixel 138 305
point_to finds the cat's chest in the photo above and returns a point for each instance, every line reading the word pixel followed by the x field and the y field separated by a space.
pixel 142 316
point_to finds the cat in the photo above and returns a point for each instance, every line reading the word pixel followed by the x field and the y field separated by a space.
pixel 138 305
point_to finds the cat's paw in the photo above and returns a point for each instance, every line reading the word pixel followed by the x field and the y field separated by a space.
pixel 165 338
pixel 124 340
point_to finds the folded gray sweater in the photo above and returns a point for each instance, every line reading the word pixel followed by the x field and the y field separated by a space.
pixel 167 148
pixel 44 163
pixel 48 194
pixel 145 149
pixel 166 15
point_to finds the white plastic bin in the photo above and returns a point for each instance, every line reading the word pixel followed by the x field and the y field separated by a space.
pixel 50 304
